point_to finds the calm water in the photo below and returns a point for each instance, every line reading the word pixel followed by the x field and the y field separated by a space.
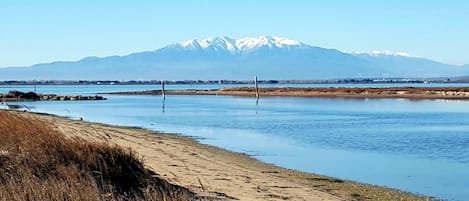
pixel 417 146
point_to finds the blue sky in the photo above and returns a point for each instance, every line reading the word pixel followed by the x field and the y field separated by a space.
pixel 37 31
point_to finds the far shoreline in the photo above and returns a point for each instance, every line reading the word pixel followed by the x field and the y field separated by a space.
pixel 456 93
pixel 332 81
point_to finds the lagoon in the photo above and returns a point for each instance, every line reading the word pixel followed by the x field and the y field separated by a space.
pixel 417 146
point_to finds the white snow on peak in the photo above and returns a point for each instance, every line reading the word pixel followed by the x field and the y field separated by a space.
pixel 245 44
pixel 232 45
pixel 248 43
pixel 217 43
pixel 386 53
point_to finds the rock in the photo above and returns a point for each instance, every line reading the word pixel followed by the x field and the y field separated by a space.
pixel 31 96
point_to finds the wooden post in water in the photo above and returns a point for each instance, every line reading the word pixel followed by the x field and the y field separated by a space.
pixel 162 89
pixel 257 88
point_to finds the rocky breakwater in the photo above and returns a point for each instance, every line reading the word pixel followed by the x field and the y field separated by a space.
pixel 31 96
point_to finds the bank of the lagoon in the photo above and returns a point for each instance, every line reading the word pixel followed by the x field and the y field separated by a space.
pixel 417 146
pixel 214 172
pixel 39 162
pixel 330 92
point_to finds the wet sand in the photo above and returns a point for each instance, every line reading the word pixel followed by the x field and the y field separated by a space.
pixel 212 171
pixel 395 92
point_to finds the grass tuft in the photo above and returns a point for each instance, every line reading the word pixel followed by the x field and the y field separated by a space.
pixel 39 163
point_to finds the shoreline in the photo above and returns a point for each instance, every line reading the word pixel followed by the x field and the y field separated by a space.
pixel 212 171
pixel 457 93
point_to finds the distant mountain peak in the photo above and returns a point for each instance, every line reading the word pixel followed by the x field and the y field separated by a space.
pixel 232 45
pixel 215 58
pixel 211 42
pixel 268 41
pixel 384 53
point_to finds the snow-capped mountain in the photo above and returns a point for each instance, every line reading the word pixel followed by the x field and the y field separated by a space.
pixel 214 43
pixel 217 58
pixel 236 46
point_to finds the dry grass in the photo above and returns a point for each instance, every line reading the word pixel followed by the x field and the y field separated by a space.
pixel 39 163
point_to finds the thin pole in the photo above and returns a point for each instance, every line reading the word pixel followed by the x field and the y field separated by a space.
pixel 162 89
pixel 257 88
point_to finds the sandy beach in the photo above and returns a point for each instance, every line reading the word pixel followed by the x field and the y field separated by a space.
pixel 215 172
pixel 332 92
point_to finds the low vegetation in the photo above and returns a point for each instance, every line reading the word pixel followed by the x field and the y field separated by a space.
pixel 39 163
pixel 330 92
pixel 12 96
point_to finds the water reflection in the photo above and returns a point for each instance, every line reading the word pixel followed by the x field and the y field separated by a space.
pixel 257 105
pixel 163 102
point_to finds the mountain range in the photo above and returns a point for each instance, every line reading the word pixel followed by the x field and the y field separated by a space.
pixel 218 58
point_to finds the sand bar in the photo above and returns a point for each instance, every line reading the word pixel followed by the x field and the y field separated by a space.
pixel 341 92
